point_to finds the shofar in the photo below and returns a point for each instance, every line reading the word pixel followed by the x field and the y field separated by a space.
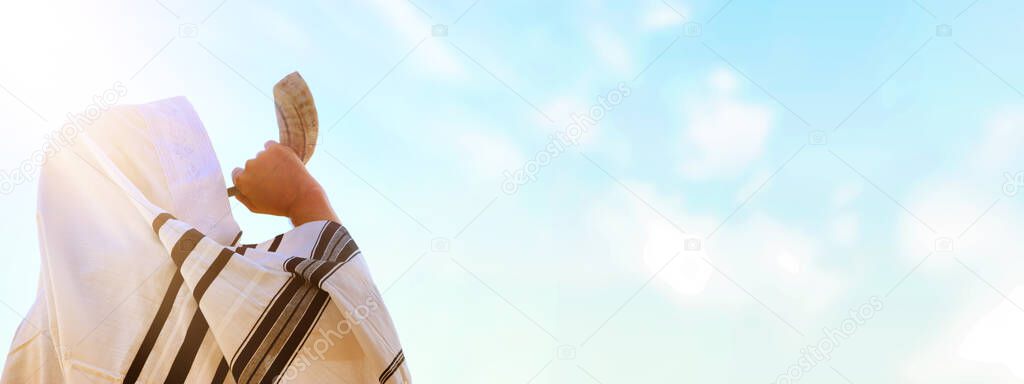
pixel 297 122
pixel 296 115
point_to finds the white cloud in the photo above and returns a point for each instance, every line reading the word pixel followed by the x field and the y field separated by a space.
pixel 999 150
pixel 762 253
pixel 578 98
pixel 686 272
pixel 434 54
pixel 961 203
pixel 957 203
pixel 998 336
pixel 966 204
pixel 723 80
pixel 767 253
pixel 723 133
pixel 629 227
pixel 958 212
pixel 844 224
pixel 561 106
pixel 846 194
pixel 612 50
pixel 752 185
pixel 488 155
pixel 968 346
pixel 790 263
pixel 938 363
pixel 660 16
pixel 845 228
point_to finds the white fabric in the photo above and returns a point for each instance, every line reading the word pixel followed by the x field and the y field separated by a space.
pixel 106 276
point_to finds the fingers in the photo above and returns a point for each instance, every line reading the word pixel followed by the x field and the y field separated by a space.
pixel 237 177
pixel 250 165
pixel 241 176
pixel 274 150
pixel 272 146
pixel 255 183
pixel 234 175
pixel 245 201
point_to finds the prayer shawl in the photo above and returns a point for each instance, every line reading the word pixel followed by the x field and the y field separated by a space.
pixel 142 280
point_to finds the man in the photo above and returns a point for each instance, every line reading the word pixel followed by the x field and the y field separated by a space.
pixel 142 279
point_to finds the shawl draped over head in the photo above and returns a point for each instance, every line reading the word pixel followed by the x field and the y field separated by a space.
pixel 142 279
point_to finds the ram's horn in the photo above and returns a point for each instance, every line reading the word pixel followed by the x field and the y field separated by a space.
pixel 296 115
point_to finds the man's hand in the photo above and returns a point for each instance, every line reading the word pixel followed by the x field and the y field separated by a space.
pixel 276 182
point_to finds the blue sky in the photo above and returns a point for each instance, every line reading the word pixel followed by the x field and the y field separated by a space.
pixel 818 152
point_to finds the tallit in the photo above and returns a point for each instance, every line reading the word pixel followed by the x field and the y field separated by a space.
pixel 142 280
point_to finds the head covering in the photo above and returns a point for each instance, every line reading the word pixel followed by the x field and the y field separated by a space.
pixel 141 279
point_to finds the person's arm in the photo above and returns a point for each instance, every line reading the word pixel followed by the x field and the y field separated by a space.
pixel 276 182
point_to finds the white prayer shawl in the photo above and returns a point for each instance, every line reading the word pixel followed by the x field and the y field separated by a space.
pixel 142 280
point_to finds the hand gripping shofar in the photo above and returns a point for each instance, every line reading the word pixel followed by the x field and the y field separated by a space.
pixel 297 122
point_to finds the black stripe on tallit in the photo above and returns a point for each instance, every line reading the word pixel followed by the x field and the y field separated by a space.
pixel 185 245
pixel 349 250
pixel 276 243
pixel 263 328
pixel 306 338
pixel 296 294
pixel 211 273
pixel 194 336
pixel 313 312
pixel 311 271
pixel 204 283
pixel 312 302
pixel 160 220
pixel 154 330
pixel 390 370
pixel 259 320
pixel 237 237
pixel 298 336
pixel 343 257
pixel 222 372
pixel 157 325
pixel 292 263
pixel 329 274
pixel 267 320
pixel 314 271
pixel 198 327
pixel 330 229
